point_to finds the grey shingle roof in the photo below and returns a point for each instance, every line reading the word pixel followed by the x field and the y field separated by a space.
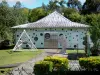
pixel 54 19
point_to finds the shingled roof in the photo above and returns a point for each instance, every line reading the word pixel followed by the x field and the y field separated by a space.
pixel 53 20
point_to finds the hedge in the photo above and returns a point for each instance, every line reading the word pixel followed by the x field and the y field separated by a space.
pixel 59 62
pixel 43 67
pixel 90 63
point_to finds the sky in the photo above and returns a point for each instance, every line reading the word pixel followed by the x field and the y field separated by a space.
pixel 32 3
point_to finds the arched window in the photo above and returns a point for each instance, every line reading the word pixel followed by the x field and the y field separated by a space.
pixel 47 35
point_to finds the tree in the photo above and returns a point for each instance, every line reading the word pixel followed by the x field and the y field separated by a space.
pixel 61 3
pixel 74 4
pixel 6 21
pixel 90 6
pixel 68 11
pixel 53 5
pixel 10 17
pixel 94 21
pixel 37 14
pixel 20 13
pixel 18 5
pixel 4 3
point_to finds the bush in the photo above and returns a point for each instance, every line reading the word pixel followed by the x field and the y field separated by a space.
pixel 60 63
pixel 43 67
pixel 90 63
pixel 4 44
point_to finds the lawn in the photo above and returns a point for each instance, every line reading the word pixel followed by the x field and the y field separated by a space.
pixel 8 57
pixel 75 51
pixel 98 57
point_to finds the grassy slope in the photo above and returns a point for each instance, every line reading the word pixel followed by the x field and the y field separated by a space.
pixel 6 57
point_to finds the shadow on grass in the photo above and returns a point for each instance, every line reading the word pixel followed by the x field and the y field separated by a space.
pixel 75 56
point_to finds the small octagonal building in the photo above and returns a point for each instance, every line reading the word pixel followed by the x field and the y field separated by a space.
pixel 45 32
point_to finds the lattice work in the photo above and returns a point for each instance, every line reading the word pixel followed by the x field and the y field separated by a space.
pixel 24 41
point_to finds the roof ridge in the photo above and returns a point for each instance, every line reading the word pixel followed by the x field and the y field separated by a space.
pixel 62 16
pixel 55 12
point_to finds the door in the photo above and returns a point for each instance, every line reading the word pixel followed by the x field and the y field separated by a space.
pixel 50 40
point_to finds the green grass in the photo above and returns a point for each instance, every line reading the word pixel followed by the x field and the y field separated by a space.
pixel 98 57
pixel 75 51
pixel 8 57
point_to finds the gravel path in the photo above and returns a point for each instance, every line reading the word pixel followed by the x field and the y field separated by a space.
pixel 74 65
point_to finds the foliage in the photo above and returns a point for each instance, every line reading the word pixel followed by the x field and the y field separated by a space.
pixel 74 4
pixel 95 50
pixel 68 11
pixel 43 67
pixel 90 6
pixel 51 64
pixel 94 21
pixel 11 16
pixel 37 14
pixel 90 63
pixel 60 63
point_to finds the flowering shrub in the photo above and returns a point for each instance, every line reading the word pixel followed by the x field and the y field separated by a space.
pixel 90 63
pixel 43 67
pixel 59 62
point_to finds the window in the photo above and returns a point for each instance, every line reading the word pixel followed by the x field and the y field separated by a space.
pixel 60 34
pixel 75 46
pixel 17 35
pixel 47 35
pixel 27 46
pixel 35 38
pixel 41 34
pixel 41 43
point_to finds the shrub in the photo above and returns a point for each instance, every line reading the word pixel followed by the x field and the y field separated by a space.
pixel 43 67
pixel 90 63
pixel 60 63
